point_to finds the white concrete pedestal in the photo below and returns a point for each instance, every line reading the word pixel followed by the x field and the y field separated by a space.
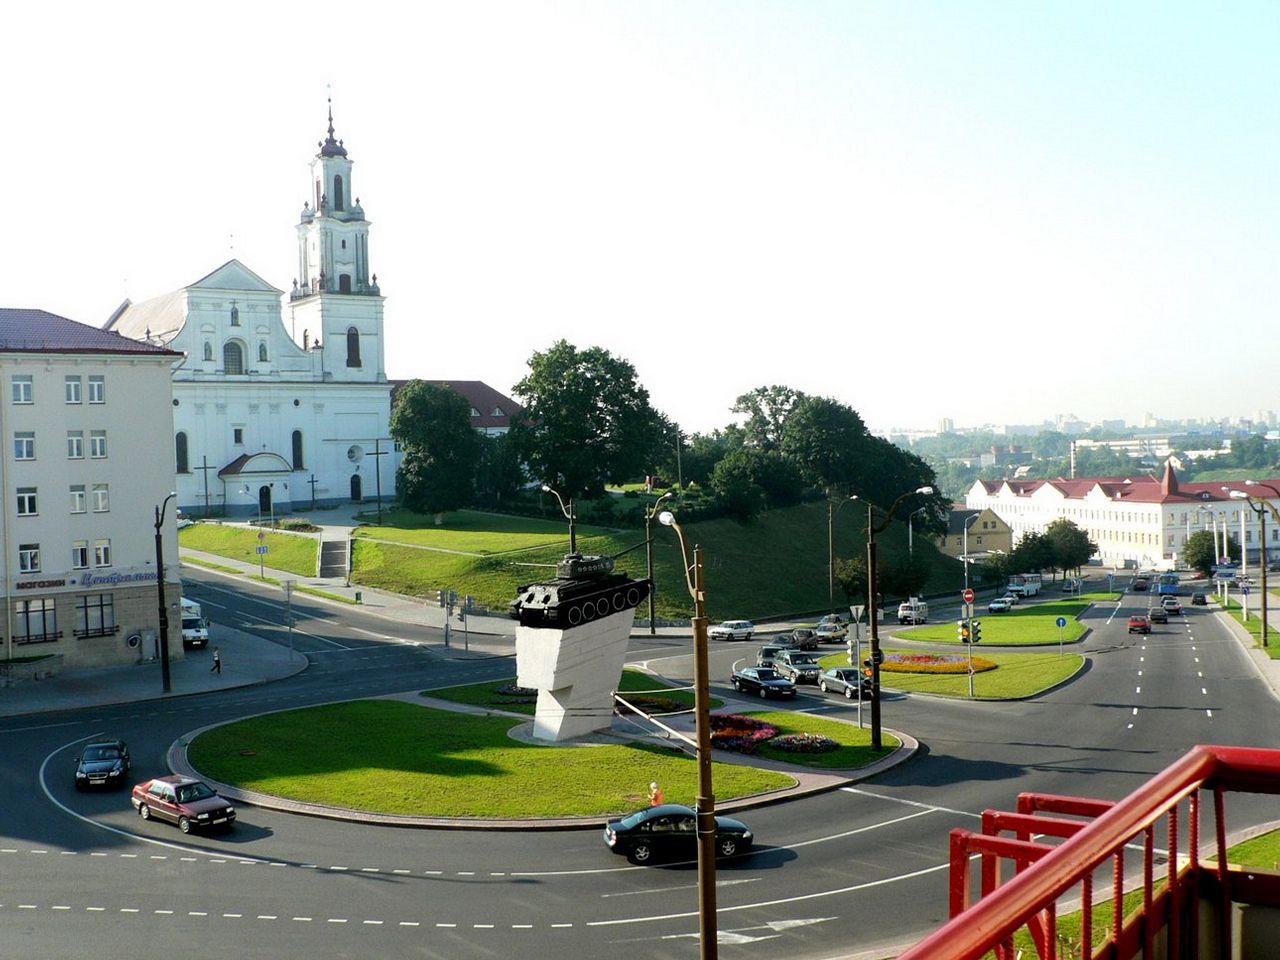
pixel 575 672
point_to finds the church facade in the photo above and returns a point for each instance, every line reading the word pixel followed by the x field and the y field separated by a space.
pixel 268 417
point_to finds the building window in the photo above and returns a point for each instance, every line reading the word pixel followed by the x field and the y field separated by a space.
pixel 75 444
pixel 28 558
pixel 95 613
pixel 297 450
pixel 80 555
pixel 237 435
pixel 73 389
pixel 180 453
pixel 344 283
pixel 102 553
pixel 97 388
pixel 353 347
pixel 27 501
pixel 20 384
pixel 235 315
pixel 24 445
pixel 101 498
pixel 77 498
pixel 262 353
pixel 232 358
pixel 208 351
pixel 97 444
pixel 34 621
pixel 338 200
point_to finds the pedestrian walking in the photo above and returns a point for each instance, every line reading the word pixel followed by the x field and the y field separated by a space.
pixel 655 794
pixel 217 662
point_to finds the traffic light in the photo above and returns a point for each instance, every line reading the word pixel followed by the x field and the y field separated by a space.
pixel 868 667
pixel 440 597
pixel 962 631
pixel 975 632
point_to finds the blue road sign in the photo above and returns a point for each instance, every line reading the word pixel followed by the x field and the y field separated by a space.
pixel 1062 622
pixel 262 549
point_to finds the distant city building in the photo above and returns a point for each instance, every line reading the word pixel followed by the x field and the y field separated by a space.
pixel 87 415
pixel 1010 456
pixel 1150 448
pixel 946 425
pixel 1140 521
pixel 261 420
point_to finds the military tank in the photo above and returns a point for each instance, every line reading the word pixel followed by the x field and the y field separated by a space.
pixel 585 588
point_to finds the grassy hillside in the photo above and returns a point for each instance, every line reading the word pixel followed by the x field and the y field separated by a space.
pixel 774 566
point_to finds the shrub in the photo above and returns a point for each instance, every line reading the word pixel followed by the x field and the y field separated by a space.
pixel 651 704
pixel 733 731
pixel 804 743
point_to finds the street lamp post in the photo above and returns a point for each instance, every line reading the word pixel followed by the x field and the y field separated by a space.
pixel 833 511
pixel 1260 507
pixel 706 802
pixel 911 546
pixel 568 514
pixel 648 550
pixel 874 634
pixel 165 679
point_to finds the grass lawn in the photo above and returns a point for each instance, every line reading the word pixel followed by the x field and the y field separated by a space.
pixel 1021 626
pixel 286 551
pixel 855 744
pixel 1254 624
pixel 487 694
pixel 395 757
pixel 1017 675
pixel 475 532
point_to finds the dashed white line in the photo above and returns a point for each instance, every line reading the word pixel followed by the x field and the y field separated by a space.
pixel 58 906
pixel 303 919
pixel 337 920
pixel 130 910
pixel 164 912
pixel 410 923
pixel 1137 690
pixel 233 916
pixel 372 923
pixel 95 909
pixel 267 916
pixel 1204 692
pixel 197 913
pixel 446 925
pixel 1210 713
pixel 482 926
pixel 1135 711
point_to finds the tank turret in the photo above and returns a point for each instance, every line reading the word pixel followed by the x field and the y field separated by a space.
pixel 584 589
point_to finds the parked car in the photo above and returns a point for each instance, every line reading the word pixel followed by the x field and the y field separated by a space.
pixel 804 639
pixel 732 630
pixel 1000 605
pixel 1158 615
pixel 840 618
pixel 831 632
pixel 102 763
pixel 797 666
pixel 189 803
pixel 670 831
pixel 1199 600
pixel 1139 624
pixel 762 680
pixel 846 680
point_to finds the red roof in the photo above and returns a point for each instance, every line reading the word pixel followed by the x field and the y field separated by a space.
pixel 38 331
pixel 1137 489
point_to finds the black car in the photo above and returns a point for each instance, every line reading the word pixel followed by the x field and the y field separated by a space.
pixel 102 763
pixel 846 680
pixel 1199 600
pixel 1158 615
pixel 670 832
pixel 762 680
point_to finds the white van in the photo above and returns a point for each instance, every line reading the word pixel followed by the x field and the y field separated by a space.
pixel 195 628
pixel 913 611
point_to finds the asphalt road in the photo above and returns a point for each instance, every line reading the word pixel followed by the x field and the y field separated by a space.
pixel 858 870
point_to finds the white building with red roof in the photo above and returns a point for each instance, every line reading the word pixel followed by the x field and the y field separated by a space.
pixel 86 417
pixel 1140 521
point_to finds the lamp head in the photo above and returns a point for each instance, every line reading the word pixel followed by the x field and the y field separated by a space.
pixel 667 518
pixel 1237 494
pixel 546 488
pixel 925 490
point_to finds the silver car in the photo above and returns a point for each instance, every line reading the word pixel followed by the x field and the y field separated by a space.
pixel 732 630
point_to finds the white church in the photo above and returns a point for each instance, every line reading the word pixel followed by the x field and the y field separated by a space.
pixel 268 418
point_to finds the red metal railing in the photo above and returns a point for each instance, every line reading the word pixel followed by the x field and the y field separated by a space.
pixel 1046 873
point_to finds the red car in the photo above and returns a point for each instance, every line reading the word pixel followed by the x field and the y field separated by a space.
pixel 1139 624
pixel 189 803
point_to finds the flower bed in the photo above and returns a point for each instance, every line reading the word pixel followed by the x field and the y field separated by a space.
pixel 733 731
pixel 804 743
pixel 934 663
pixel 516 694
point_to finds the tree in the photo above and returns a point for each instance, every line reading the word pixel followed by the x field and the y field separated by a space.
pixel 441 450
pixel 852 577
pixel 1201 551
pixel 587 420
pixel 1033 553
pixel 735 488
pixel 500 473
pixel 1069 546
pixel 767 410
pixel 827 440
pixel 994 570
pixel 903 575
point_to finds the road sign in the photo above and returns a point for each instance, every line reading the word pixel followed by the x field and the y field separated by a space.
pixel 262 549
pixel 1062 622
pixel 857 613
pixel 1246 590
pixel 968 595
pixel 261 536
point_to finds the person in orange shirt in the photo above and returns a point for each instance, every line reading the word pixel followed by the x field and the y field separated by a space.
pixel 655 794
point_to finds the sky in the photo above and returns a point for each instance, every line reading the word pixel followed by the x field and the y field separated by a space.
pixel 987 212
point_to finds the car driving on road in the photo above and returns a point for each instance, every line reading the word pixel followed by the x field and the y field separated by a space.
pixel 1158 615
pixel 102 763
pixel 846 680
pixel 1199 600
pixel 1000 605
pixel 732 630
pixel 797 666
pixel 762 680
pixel 189 803
pixel 1139 624
pixel 670 832
pixel 830 631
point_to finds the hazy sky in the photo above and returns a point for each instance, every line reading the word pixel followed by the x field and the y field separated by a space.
pixel 993 212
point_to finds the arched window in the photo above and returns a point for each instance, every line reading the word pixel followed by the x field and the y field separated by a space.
pixel 297 450
pixel 232 358
pixel 337 192
pixel 344 283
pixel 353 347
pixel 262 353
pixel 208 351
pixel 180 453
pixel 235 315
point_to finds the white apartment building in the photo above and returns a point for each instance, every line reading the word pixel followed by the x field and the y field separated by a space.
pixel 85 417
pixel 1140 521
pixel 266 415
